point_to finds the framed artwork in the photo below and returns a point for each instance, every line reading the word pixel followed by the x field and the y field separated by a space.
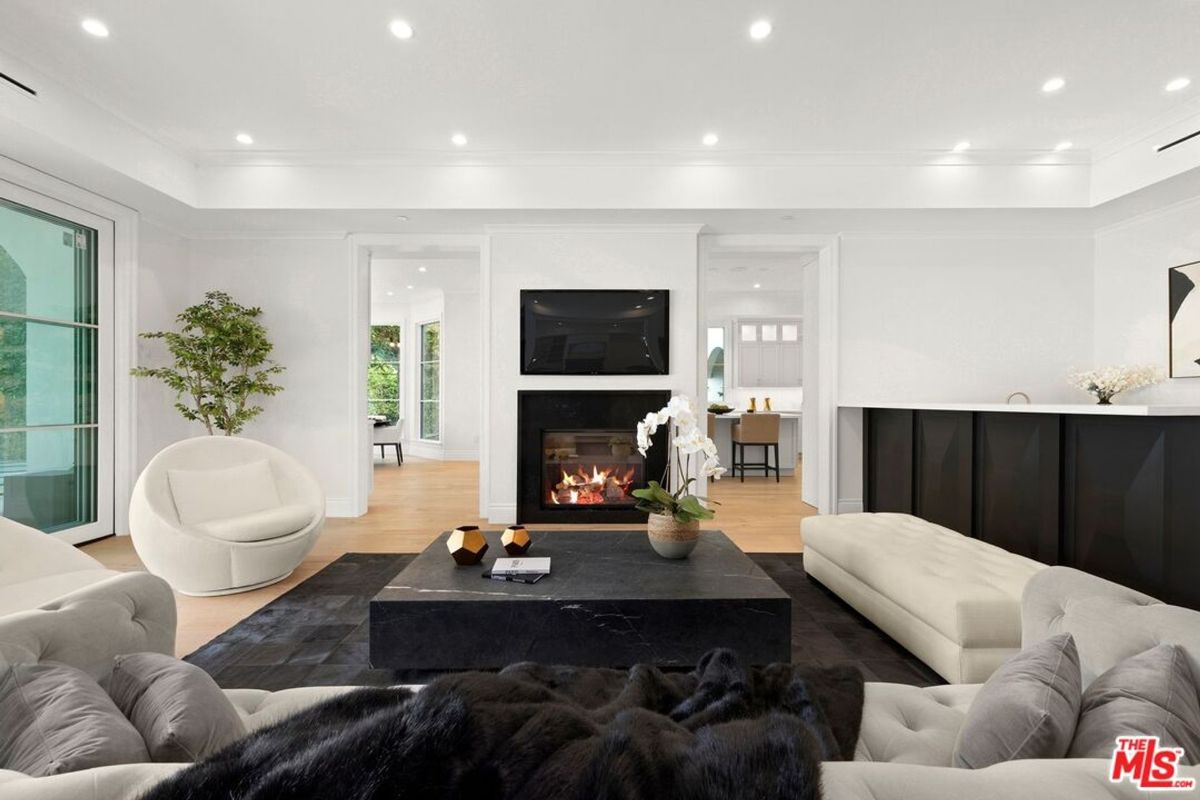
pixel 1184 311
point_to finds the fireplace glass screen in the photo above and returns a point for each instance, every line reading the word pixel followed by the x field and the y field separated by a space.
pixel 590 468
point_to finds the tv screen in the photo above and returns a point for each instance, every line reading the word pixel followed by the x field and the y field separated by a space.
pixel 595 332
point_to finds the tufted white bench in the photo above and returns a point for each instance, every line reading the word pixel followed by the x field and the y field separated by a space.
pixel 953 601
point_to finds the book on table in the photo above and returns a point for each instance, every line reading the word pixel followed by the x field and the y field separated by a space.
pixel 524 570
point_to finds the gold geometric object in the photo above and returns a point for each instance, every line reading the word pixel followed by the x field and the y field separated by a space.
pixel 466 545
pixel 516 540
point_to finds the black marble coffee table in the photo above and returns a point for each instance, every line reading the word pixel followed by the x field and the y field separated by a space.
pixel 609 601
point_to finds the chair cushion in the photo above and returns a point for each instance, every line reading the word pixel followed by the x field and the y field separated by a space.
pixel 966 589
pixel 178 709
pixel 259 525
pixel 202 495
pixel 1027 709
pixel 911 725
pixel 1150 694
pixel 57 719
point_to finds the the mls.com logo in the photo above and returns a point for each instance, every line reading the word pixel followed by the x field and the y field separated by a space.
pixel 1148 766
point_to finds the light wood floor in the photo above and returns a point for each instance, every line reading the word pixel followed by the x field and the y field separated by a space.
pixel 412 504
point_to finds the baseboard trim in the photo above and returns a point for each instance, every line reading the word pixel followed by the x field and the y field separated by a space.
pixel 849 505
pixel 421 449
pixel 502 513
pixel 339 507
pixel 460 455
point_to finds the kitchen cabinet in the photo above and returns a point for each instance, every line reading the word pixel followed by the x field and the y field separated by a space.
pixel 769 352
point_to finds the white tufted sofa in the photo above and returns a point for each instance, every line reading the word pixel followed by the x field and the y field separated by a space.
pixel 953 601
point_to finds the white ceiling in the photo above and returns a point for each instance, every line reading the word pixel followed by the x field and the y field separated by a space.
pixel 774 273
pixel 618 75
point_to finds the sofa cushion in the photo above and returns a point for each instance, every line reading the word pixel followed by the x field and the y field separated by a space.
pixel 1150 694
pixel 57 719
pixel 1027 709
pixel 24 595
pixel 202 495
pixel 966 589
pixel 178 709
pixel 911 725
pixel 268 524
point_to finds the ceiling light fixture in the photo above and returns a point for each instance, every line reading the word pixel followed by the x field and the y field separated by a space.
pixel 409 286
pixel 1053 85
pixel 389 294
pixel 1179 84
pixel 710 139
pixel 1061 146
pixel 760 30
pixel 401 218
pixel 758 286
pixel 421 269
pixel 401 29
pixel 962 147
pixel 459 139
pixel 95 27
pixel 244 138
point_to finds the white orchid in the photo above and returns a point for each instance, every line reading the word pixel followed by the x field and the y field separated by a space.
pixel 688 440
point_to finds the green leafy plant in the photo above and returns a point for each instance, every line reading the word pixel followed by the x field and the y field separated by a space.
pixel 684 507
pixel 221 361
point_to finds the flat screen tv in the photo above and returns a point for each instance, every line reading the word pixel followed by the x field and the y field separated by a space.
pixel 595 332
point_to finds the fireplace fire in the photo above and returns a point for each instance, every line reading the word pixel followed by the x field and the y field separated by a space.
pixel 590 468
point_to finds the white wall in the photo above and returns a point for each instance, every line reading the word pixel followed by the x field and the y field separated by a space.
pixel 1131 263
pixel 303 287
pixel 462 378
pixel 545 258
pixel 963 318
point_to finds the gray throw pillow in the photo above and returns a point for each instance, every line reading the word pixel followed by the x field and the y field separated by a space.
pixel 1027 709
pixel 1150 694
pixel 179 710
pixel 55 719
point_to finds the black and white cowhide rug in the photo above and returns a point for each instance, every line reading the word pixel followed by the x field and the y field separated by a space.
pixel 534 732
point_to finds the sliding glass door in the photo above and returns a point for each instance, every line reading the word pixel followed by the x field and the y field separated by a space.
pixel 56 382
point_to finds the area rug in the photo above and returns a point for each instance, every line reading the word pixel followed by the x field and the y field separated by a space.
pixel 316 634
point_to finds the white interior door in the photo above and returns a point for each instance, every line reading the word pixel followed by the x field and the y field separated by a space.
pixel 56 366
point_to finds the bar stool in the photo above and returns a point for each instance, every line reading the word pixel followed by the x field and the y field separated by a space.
pixel 756 430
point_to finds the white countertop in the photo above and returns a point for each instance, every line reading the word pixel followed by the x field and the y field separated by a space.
pixel 1116 409
pixel 738 414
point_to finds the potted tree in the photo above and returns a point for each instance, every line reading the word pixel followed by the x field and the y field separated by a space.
pixel 221 361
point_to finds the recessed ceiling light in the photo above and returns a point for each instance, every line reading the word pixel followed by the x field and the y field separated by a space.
pixel 1178 84
pixel 401 218
pixel 421 269
pixel 409 286
pixel 710 139
pixel 459 139
pixel 1053 85
pixel 1063 146
pixel 389 294
pixel 758 286
pixel 760 30
pixel 95 27
pixel 244 138
pixel 962 147
pixel 401 29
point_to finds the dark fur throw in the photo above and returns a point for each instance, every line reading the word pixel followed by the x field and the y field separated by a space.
pixel 720 732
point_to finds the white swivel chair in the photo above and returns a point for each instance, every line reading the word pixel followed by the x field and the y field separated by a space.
pixel 221 514
pixel 384 436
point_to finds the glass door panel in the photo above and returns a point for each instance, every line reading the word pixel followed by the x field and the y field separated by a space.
pixel 55 440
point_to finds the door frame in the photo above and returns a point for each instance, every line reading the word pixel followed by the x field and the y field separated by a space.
pixel 20 181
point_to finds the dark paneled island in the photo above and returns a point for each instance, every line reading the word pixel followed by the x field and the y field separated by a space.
pixel 1111 490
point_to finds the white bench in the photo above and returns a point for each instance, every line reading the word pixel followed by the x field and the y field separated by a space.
pixel 954 602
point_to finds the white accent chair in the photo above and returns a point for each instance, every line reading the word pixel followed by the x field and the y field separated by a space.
pixel 64 605
pixel 217 515
pixel 385 436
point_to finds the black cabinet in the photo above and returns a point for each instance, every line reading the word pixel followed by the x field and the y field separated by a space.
pixel 1016 471
pixel 1116 496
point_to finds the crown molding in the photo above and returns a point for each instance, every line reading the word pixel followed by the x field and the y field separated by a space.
pixel 542 229
pixel 1152 131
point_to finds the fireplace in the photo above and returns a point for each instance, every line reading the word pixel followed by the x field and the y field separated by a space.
pixel 577 457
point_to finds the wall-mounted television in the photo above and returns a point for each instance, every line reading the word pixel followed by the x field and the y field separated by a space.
pixel 595 332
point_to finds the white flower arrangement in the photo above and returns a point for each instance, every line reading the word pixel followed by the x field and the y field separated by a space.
pixel 1107 382
pixel 687 441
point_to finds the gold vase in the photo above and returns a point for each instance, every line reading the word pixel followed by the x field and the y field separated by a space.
pixel 671 538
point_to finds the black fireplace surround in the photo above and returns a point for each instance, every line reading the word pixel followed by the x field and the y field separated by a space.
pixel 545 412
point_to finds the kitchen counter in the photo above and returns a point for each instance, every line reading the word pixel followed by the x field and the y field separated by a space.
pixel 1043 408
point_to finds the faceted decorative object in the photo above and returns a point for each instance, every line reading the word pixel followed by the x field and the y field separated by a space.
pixel 467 545
pixel 516 540
pixel 671 538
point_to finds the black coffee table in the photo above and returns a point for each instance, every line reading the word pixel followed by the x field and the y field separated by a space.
pixel 609 601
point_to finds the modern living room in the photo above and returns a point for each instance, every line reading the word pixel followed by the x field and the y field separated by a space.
pixel 490 400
